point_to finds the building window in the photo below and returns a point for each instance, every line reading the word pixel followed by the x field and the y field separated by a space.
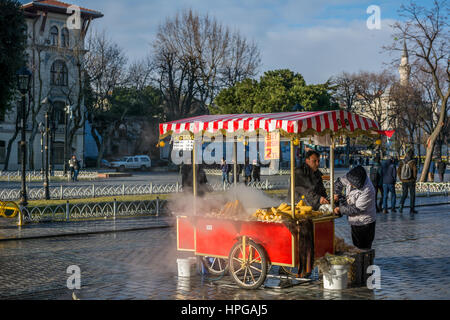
pixel 54 35
pixel 59 112
pixel 65 38
pixel 58 155
pixel 2 151
pixel 59 74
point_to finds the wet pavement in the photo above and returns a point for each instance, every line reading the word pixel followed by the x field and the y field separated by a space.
pixel 412 251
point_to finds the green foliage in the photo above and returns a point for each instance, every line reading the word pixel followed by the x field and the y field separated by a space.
pixel 12 48
pixel 127 101
pixel 276 91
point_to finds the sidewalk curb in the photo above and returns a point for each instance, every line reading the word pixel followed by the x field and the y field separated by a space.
pixel 84 233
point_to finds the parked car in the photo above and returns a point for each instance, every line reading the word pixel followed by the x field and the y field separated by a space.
pixel 141 162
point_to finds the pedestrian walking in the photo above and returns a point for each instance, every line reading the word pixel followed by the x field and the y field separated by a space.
pixel 358 205
pixel 71 163
pixel 225 171
pixel 256 173
pixel 431 170
pixel 74 165
pixel 248 172
pixel 407 172
pixel 441 167
pixel 377 181
pixel 389 177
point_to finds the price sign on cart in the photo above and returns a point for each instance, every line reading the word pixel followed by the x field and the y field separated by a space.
pixel 272 146
pixel 183 143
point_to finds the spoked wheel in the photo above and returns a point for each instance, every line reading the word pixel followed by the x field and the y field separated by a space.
pixel 248 266
pixel 216 266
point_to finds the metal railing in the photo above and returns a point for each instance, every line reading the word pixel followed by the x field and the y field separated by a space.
pixel 94 211
pixel 36 175
pixel 92 191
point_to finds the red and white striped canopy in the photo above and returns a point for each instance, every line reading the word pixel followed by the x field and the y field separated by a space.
pixel 296 123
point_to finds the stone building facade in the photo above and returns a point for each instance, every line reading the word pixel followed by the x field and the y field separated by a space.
pixel 55 47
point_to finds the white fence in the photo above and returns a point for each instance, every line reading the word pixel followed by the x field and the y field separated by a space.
pixel 92 191
pixel 37 175
pixel 93 211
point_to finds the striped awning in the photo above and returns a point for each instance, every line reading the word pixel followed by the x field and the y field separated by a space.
pixel 338 122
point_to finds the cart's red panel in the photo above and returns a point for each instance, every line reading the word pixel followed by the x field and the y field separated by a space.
pixel 215 237
pixel 185 234
pixel 323 238
pixel 275 238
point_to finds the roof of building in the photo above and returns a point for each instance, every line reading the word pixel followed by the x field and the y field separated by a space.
pixel 57 7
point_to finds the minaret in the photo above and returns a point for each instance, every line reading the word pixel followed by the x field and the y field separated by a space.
pixel 404 69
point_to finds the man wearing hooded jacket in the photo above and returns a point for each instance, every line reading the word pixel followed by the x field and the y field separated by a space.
pixel 358 205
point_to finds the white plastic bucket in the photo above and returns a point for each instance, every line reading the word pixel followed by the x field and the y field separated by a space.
pixel 337 278
pixel 184 267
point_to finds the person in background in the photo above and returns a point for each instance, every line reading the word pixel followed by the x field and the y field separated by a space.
pixel 389 179
pixel 377 181
pixel 188 179
pixel 75 164
pixel 441 167
pixel 431 170
pixel 309 183
pixel 256 171
pixel 71 164
pixel 225 171
pixel 407 172
pixel 248 172
pixel 358 205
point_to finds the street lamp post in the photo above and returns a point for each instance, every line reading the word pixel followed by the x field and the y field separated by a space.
pixel 46 189
pixel 66 114
pixel 47 134
pixel 23 84
pixel 42 131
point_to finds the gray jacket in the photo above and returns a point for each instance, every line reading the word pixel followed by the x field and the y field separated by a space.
pixel 359 204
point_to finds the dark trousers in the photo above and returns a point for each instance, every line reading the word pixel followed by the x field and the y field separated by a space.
pixel 441 176
pixel 363 236
pixel 379 204
pixel 389 188
pixel 411 186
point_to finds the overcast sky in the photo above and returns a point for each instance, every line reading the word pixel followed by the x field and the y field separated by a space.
pixel 317 38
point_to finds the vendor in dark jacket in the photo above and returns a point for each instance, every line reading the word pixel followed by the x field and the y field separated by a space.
pixel 308 182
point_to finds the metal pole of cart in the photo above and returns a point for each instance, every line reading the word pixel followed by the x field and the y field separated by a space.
pixel 292 179
pixel 235 161
pixel 332 173
pixel 194 178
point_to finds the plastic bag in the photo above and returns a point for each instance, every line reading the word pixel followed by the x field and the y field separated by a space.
pixel 325 208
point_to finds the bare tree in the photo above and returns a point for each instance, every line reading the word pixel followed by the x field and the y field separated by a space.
pixel 104 64
pixel 373 95
pixel 194 57
pixel 345 92
pixel 426 32
pixel 408 107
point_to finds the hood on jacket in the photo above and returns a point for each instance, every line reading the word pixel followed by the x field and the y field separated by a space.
pixel 357 177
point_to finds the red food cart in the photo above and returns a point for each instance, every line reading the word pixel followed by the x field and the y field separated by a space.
pixel 248 248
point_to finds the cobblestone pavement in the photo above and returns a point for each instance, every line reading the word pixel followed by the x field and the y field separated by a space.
pixel 412 251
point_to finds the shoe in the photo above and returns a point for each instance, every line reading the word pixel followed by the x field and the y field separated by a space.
pixel 385 211
pixel 393 210
pixel 413 211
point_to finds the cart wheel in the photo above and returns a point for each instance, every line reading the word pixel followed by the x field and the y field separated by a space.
pixel 251 272
pixel 216 266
